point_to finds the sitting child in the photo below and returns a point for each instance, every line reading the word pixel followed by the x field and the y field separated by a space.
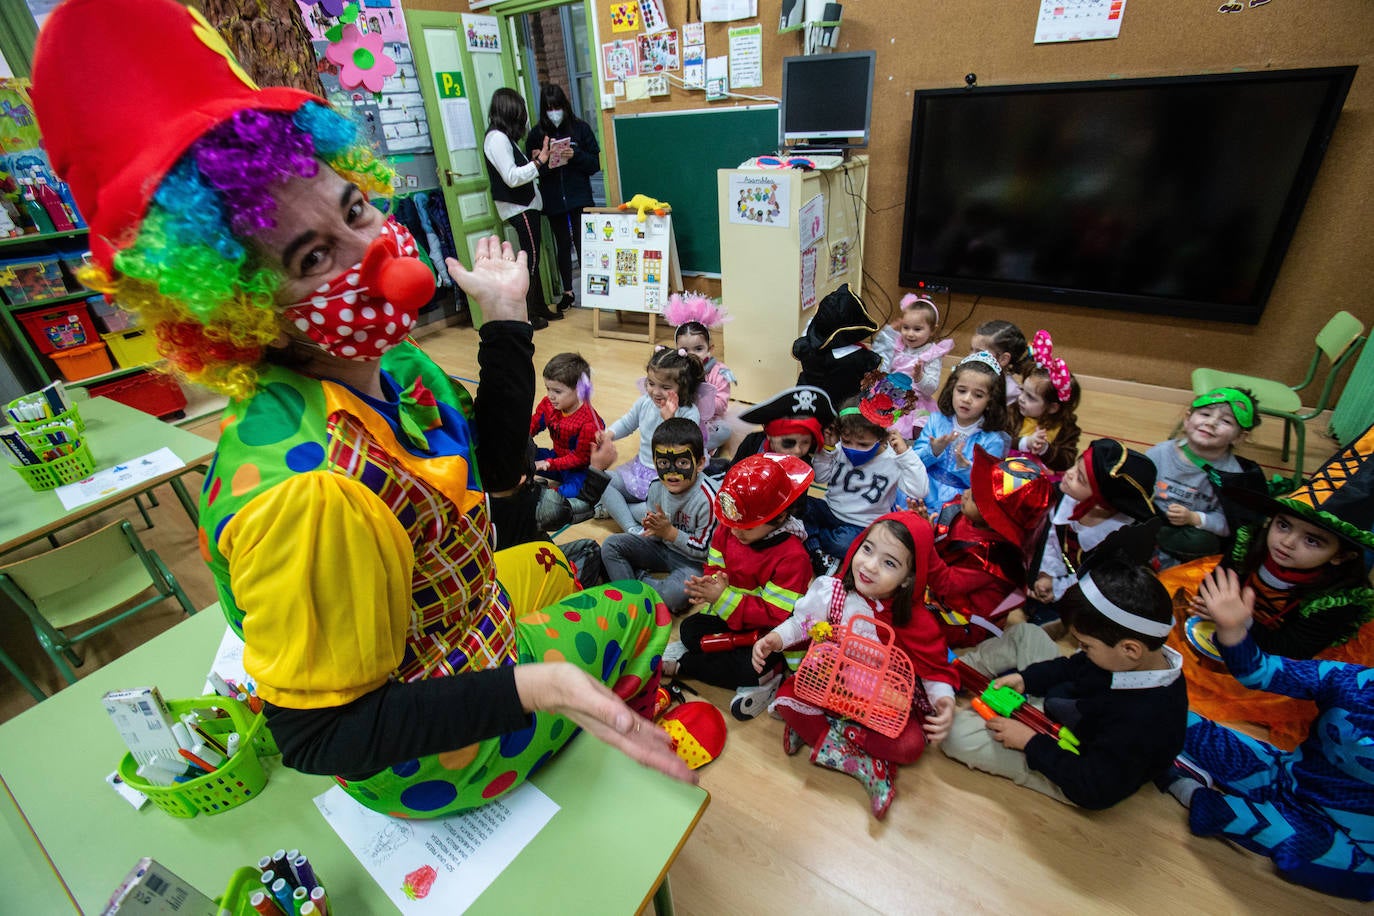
pixel 1122 694
pixel 1044 420
pixel 1107 488
pixel 755 571
pixel 1310 810
pixel 1007 344
pixel 566 412
pixel 973 411
pixel 1308 570
pixel 883 577
pixel 677 522
pixel 672 379
pixel 793 420
pixel 862 478
pixel 908 346
pixel 1190 473
pixel 981 539
pixel 831 352
pixel 695 316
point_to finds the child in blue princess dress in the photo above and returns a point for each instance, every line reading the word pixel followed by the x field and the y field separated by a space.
pixel 973 412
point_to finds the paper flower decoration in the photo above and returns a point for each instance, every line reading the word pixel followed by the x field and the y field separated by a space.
pixel 360 59
pixel 821 630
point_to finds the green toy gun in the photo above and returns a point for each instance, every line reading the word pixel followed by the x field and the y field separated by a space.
pixel 1005 702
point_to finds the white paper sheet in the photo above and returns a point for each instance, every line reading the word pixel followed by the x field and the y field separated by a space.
pixel 811 220
pixel 717 77
pixel 746 56
pixel 120 477
pixel 728 10
pixel 458 130
pixel 228 662
pixel 1079 20
pixel 442 865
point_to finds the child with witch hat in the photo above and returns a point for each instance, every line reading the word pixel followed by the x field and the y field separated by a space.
pixel 1308 571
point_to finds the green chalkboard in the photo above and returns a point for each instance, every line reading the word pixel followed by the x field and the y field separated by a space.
pixel 674 157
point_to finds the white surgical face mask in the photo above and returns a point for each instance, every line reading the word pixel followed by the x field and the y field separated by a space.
pixel 556 116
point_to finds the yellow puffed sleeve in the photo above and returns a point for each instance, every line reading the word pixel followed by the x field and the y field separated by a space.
pixel 321 569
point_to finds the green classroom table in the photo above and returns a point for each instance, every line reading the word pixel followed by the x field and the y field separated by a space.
pixel 607 850
pixel 116 433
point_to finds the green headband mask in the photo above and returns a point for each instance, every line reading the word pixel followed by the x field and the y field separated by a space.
pixel 1240 402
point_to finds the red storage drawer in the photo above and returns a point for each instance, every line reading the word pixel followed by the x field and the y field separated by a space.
pixel 59 327
pixel 149 392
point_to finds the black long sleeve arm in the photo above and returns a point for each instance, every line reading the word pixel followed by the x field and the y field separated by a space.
pixel 504 402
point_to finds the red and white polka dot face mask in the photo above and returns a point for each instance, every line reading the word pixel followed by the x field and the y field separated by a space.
pixel 370 307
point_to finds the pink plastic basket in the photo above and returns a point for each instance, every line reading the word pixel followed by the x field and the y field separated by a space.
pixel 870 682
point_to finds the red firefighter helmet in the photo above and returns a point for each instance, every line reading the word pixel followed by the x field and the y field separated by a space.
pixel 756 489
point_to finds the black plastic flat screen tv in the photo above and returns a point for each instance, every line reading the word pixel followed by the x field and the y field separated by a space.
pixel 1170 196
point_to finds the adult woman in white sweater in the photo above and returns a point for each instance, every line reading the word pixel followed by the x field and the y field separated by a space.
pixel 515 190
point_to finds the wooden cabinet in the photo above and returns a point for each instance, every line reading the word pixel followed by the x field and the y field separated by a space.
pixel 763 261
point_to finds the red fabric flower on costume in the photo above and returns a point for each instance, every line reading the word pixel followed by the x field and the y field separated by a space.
pixel 545 558
pixel 360 59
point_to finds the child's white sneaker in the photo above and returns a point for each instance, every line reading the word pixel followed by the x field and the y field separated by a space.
pixel 674 650
pixel 750 701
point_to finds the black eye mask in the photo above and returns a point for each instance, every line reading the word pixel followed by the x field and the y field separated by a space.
pixel 677 462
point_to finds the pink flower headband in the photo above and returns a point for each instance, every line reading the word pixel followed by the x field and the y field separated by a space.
pixel 1042 350
pixel 681 351
pixel 911 300
pixel 684 307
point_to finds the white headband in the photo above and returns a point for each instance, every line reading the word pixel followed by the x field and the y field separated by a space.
pixel 1119 615
pixel 984 357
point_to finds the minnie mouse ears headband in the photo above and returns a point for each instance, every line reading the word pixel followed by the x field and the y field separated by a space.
pixel 1042 351
pixel 911 300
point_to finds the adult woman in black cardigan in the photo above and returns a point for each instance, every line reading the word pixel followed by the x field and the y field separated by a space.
pixel 515 190
pixel 568 189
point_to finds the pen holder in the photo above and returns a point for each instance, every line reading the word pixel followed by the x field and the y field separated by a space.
pixel 71 414
pixel 239 779
pixel 48 475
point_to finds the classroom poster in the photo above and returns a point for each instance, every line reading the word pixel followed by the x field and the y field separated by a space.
pixel 651 15
pixel 694 67
pixel 1078 20
pixel 620 59
pixel 624 262
pixel 694 33
pixel 625 16
pixel 808 279
pixel 440 865
pixel 483 33
pixel 658 52
pixel 717 78
pixel 746 56
pixel 759 199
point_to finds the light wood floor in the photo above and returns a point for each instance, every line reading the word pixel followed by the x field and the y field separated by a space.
pixel 782 835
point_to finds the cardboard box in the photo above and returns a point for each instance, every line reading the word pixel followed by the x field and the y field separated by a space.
pixel 153 890
pixel 144 722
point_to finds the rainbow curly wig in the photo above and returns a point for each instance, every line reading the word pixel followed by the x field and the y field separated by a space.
pixel 191 273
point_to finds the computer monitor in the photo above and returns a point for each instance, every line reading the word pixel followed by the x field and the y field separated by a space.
pixel 827 99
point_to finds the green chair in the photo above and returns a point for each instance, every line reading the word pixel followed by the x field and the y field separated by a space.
pixel 83 580
pixel 1338 341
pixel 24 680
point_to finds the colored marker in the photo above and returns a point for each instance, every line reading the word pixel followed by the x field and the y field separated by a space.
pixel 264 904
pixel 155 776
pixel 299 896
pixel 304 872
pixel 198 761
pixel 221 686
pixel 182 735
pixel 231 747
pixel 308 909
pixel 209 754
pixel 282 891
pixel 265 863
pixel 317 897
pixel 267 877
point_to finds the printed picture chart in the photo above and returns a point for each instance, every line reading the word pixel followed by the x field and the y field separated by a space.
pixel 625 262
pixel 1078 20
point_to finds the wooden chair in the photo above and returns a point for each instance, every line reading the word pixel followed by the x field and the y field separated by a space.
pixel 83 580
pixel 1338 341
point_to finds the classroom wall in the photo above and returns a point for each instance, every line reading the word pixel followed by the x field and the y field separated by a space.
pixel 933 43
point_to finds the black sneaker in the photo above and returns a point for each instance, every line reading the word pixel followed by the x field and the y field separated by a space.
pixel 538 323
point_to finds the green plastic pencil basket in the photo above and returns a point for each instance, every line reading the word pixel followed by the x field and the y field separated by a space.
pixel 51 474
pixel 71 414
pixel 241 778
pixel 236 896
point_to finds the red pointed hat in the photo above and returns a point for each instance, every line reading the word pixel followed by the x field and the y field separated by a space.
pixel 1013 495
pixel 121 89
pixel 698 732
